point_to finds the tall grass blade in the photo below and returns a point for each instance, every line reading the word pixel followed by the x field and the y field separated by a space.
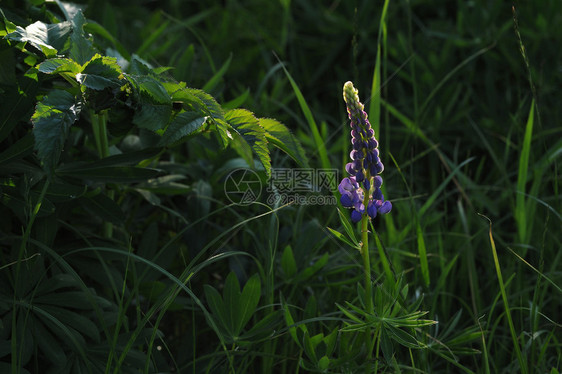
pixel 320 146
pixel 522 362
pixel 520 208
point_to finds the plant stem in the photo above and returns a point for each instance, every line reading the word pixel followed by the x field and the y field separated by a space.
pixel 99 128
pixel 368 290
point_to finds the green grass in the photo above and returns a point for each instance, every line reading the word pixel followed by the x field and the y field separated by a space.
pixel 152 269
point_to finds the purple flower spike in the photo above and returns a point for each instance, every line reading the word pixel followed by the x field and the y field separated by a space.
pixel 365 165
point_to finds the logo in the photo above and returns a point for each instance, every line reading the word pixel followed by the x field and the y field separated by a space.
pixel 242 186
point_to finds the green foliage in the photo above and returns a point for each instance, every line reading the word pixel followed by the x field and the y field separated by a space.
pixel 121 252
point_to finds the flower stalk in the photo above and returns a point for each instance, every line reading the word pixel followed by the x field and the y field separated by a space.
pixel 361 192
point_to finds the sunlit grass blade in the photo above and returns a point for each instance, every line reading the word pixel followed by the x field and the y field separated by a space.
pixel 520 208
pixel 320 146
pixel 522 362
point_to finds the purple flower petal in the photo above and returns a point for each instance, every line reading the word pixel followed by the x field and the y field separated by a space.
pixel 386 207
pixel 356 216
pixel 371 210
pixel 346 200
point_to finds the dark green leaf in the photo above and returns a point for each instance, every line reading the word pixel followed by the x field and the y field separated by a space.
pixel 7 67
pixel 152 117
pixel 19 149
pixel 150 87
pixel 288 263
pixel 343 238
pixel 183 125
pixel 111 174
pixel 52 120
pixel 103 207
pixel 166 185
pixel 214 300
pixel 280 136
pixel 17 103
pixel 81 48
pixel 248 301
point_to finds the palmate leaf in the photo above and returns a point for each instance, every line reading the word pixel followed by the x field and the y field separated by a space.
pixel 53 116
pixel 280 136
pixel 249 134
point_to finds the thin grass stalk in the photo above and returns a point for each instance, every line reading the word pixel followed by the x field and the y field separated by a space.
pixel 522 362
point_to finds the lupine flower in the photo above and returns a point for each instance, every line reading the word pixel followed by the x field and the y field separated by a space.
pixel 365 163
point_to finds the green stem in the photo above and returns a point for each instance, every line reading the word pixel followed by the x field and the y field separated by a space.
pixel 99 129
pixel 368 283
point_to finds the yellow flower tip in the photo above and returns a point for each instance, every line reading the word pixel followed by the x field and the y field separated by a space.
pixel 351 96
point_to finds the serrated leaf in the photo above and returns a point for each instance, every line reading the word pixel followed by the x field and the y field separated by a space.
pixel 183 125
pixel 151 87
pixel 248 127
pixel 100 72
pixel 48 38
pixel 81 48
pixel 281 137
pixel 52 119
pixel 59 65
pixel 152 117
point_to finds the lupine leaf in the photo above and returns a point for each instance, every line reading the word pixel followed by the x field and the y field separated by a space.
pixel 248 127
pixel 183 125
pixel 280 136
pixel 248 301
pixel 52 119
pixel 231 296
pixel 99 73
pixel 288 263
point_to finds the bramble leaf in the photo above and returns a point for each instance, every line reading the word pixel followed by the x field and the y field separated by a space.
pixel 81 48
pixel 59 65
pixel 183 125
pixel 280 136
pixel 250 134
pixel 52 120
pixel 48 38
pixel 100 72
